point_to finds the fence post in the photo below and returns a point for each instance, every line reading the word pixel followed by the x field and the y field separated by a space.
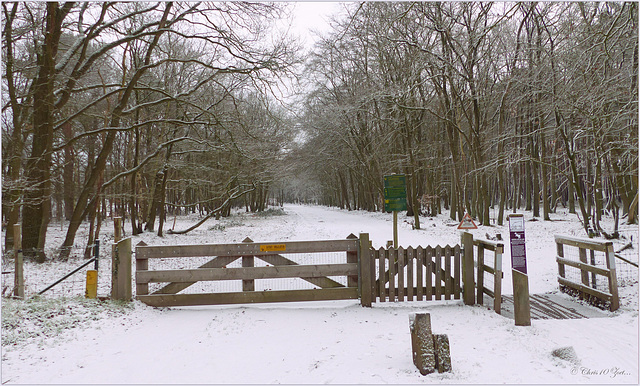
pixel 468 295
pixel 96 253
pixel 121 270
pixel 613 279
pixel 142 264
pixel 583 273
pixel 560 252
pixel 91 287
pixel 497 278
pixel 18 290
pixel 521 302
pixel 352 257
pixel 248 262
pixel 480 280
pixel 117 229
pixel 364 277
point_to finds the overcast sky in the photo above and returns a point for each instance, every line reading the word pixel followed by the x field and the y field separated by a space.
pixel 312 15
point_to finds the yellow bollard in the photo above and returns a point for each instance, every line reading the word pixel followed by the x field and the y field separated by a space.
pixel 92 284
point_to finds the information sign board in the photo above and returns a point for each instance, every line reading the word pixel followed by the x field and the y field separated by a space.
pixel 518 249
pixel 395 193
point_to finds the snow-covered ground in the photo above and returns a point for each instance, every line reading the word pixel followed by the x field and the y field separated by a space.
pixel 48 340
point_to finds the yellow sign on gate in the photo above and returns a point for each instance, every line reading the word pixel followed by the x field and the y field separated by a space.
pixel 273 248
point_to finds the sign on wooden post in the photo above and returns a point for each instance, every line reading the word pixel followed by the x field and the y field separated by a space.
pixel 518 250
pixel 467 222
pixel 395 193
pixel 521 303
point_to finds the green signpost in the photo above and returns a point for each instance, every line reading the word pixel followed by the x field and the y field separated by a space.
pixel 395 199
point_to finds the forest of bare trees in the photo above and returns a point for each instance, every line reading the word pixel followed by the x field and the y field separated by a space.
pixel 137 109
pixel 147 110
pixel 485 107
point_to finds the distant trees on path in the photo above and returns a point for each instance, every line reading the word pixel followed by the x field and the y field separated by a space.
pixel 484 106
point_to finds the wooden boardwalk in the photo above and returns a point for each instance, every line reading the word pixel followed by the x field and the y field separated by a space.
pixel 550 306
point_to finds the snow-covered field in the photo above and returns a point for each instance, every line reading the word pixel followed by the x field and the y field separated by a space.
pixel 49 340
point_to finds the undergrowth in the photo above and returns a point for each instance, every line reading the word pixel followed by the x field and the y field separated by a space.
pixel 271 212
pixel 40 317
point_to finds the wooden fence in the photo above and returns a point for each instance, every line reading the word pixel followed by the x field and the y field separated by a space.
pixel 587 284
pixel 429 273
pixel 224 254
pixel 495 270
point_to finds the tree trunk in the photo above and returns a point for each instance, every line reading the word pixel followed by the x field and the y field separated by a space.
pixel 67 175
pixel 38 166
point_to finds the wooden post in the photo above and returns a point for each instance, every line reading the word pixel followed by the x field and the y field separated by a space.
pixel 422 344
pixel 393 264
pixel 18 290
pixel 592 254
pixel 395 229
pixel 497 278
pixel 560 252
pixel 409 278
pixel 468 295
pixel 401 254
pixel 141 265
pixel 117 229
pixel 438 272
pixel 382 258
pixel 352 257
pixel 480 280
pixel 248 262
pixel 584 273
pixel 121 270
pixel 364 277
pixel 613 279
pixel 521 304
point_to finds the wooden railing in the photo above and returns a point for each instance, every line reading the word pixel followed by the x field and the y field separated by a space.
pixel 498 250
pixel 589 272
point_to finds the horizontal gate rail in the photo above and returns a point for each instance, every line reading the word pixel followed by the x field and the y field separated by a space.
pixel 586 285
pixel 245 249
pixel 251 273
pixel 249 297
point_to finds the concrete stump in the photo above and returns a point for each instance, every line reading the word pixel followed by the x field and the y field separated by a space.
pixel 431 352
pixel 424 355
pixel 443 353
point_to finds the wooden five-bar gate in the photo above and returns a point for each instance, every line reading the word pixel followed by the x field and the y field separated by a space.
pixel 365 273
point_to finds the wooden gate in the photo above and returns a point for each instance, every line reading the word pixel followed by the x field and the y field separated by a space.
pixel 217 269
pixel 429 273
pixel 421 273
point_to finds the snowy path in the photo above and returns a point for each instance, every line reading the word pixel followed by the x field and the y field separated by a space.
pixel 327 342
